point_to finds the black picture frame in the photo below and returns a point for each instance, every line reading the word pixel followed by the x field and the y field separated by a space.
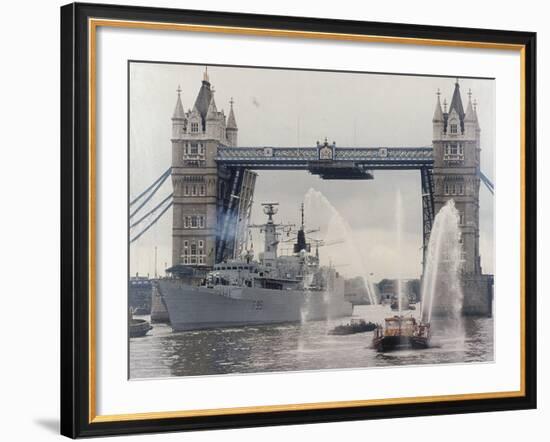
pixel 76 418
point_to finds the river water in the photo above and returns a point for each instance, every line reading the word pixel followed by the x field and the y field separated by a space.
pixel 297 347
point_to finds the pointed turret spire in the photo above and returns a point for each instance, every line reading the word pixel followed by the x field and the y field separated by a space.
pixel 456 106
pixel 438 113
pixel 469 109
pixel 456 102
pixel 178 110
pixel 475 114
pixel 231 122
pixel 212 113
pixel 202 101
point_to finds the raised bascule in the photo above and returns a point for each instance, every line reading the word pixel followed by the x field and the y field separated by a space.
pixel 213 181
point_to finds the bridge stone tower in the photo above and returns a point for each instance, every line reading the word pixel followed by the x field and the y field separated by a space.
pixel 456 174
pixel 201 190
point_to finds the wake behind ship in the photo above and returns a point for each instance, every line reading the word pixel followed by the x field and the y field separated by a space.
pixel 274 289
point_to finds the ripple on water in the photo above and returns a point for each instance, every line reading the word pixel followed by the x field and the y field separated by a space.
pixel 291 347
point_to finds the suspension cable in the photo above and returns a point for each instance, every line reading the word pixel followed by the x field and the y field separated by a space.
pixel 488 183
pixel 152 223
pixel 162 177
pixel 146 200
pixel 154 209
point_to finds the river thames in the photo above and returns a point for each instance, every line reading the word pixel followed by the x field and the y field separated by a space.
pixel 297 347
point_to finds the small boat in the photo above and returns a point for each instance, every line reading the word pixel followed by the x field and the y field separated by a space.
pixel 137 327
pixel 141 311
pixel 401 332
pixel 355 326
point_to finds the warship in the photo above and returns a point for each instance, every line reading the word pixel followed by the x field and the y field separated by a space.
pixel 270 290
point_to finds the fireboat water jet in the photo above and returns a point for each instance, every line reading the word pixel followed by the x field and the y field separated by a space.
pixel 338 227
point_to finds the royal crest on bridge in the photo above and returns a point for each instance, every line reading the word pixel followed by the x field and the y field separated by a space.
pixel 326 151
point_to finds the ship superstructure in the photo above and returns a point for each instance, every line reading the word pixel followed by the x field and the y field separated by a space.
pixel 271 289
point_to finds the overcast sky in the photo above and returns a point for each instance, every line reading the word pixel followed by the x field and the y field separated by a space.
pixel 276 107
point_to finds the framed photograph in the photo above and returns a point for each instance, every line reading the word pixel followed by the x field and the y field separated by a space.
pixel 279 220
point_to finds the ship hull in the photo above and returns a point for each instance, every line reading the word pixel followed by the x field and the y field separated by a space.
pixel 194 308
pixel 389 343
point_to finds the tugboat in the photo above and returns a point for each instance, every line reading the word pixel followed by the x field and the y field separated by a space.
pixel 355 326
pixel 401 332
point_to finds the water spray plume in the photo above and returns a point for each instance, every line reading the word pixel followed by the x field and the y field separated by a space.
pixel 441 285
pixel 337 228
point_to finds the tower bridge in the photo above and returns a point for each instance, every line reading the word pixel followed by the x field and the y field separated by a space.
pixel 213 181
pixel 330 161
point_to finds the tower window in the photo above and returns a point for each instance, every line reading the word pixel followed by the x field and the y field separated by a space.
pixel 202 190
pixel 453 185
pixel 194 127
pixel 195 254
pixel 453 152
pixel 194 148
pixel 454 129
pixel 193 222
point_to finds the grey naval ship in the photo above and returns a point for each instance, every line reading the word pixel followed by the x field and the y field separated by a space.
pixel 270 290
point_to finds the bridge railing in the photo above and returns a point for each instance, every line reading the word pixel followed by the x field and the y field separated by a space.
pixel 300 156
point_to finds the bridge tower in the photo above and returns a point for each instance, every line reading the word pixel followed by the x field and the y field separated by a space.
pixel 456 174
pixel 201 190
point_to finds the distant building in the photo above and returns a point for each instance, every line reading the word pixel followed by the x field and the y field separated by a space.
pixel 388 289
pixel 139 294
pixel 355 291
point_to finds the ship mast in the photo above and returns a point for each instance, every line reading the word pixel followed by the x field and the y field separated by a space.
pixel 271 234
pixel 271 242
pixel 301 241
